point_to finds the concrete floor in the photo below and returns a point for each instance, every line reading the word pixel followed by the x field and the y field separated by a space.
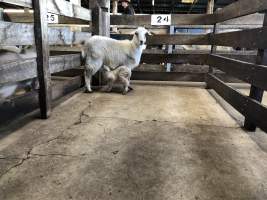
pixel 156 143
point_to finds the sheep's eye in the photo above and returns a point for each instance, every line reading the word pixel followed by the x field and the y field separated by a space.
pixel 136 33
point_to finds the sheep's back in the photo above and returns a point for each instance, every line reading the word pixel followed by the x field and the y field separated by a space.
pixel 113 52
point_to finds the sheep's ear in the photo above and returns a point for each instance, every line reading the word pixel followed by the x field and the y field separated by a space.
pixel 136 33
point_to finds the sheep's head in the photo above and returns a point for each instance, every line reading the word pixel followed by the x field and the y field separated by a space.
pixel 140 36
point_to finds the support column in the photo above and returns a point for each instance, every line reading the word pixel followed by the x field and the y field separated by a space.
pixel 210 10
pixel 100 25
pixel 210 7
pixel 114 12
pixel 255 92
pixel 100 17
pixel 169 49
pixel 1 14
pixel 42 50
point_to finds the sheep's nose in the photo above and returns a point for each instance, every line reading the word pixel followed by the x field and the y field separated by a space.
pixel 141 42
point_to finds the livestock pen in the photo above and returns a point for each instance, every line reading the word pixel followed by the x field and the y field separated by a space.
pixel 193 127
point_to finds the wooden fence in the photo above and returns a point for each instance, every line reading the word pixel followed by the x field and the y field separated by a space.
pixel 252 70
pixel 248 67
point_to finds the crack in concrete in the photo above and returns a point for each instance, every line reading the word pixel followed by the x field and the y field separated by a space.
pixel 9 158
pixel 60 155
pixel 83 114
pixel 18 164
pixel 154 120
pixel 29 152
pixel 81 121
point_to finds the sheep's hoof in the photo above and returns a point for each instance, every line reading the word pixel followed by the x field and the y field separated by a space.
pixel 125 92
pixel 130 88
pixel 88 91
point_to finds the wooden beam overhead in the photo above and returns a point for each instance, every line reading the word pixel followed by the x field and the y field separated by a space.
pixel 22 34
pixel 60 7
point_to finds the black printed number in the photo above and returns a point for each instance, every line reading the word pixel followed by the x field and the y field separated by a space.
pixel 161 19
pixel 51 18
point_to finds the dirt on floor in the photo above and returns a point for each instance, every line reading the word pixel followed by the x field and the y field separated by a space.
pixel 156 143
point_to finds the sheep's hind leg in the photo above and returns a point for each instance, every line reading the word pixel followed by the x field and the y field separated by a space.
pixel 88 78
pixel 91 67
pixel 126 84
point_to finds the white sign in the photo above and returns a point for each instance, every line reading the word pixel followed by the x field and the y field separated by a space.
pixel 52 18
pixel 160 19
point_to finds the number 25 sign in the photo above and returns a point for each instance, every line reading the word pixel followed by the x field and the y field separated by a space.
pixel 160 19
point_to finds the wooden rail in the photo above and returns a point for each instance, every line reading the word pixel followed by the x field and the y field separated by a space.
pixel 232 11
pixel 9 33
pixel 238 9
pixel 251 109
pixel 252 38
pixel 248 72
pixel 60 7
pixel 178 19
pixel 27 17
pixel 22 70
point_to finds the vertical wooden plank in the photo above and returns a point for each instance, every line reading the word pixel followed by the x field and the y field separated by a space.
pixel 42 50
pixel 210 7
pixel 100 24
pixel 169 49
pixel 255 92
pixel 114 12
pixel 1 14
pixel 100 17
pixel 210 10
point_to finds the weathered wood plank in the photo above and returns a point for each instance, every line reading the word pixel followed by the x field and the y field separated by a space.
pixel 253 110
pixel 19 71
pixel 22 3
pixel 60 7
pixel 248 72
pixel 178 19
pixel 42 60
pixel 168 76
pixel 238 9
pixel 252 38
pixel 23 34
pixel 192 57
pixel 178 39
pixel 174 58
pixel 27 17
pixel 256 93
pixel 29 101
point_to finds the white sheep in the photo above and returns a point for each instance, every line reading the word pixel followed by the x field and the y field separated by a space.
pixel 100 51
pixel 121 74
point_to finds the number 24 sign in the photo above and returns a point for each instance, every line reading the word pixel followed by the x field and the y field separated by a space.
pixel 160 19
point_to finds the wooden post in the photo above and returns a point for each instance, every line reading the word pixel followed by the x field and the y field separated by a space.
pixel 1 14
pixel 100 17
pixel 100 24
pixel 42 50
pixel 169 49
pixel 210 7
pixel 115 6
pixel 210 10
pixel 114 12
pixel 255 92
